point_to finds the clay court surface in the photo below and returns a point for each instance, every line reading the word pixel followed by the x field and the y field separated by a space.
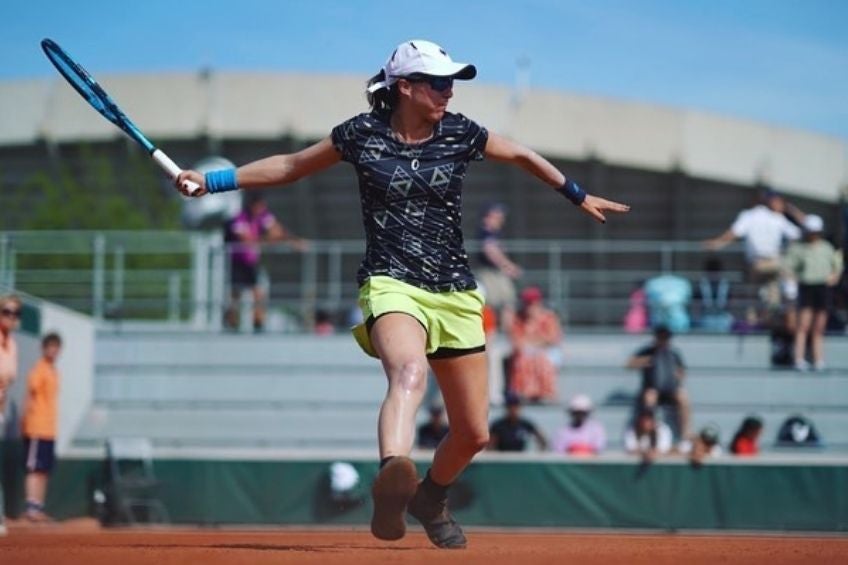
pixel 85 544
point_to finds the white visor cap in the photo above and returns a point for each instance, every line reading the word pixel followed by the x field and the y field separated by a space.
pixel 419 56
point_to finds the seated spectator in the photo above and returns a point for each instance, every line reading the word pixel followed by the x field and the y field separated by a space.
pixel 746 440
pixel 706 444
pixel 713 298
pixel 663 372
pixel 646 437
pixel 536 337
pixel 583 435
pixel 324 323
pixel 430 434
pixel 511 432
pixel 668 300
pixel 798 431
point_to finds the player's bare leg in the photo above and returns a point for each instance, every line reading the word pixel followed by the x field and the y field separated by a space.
pixel 400 341
pixel 464 384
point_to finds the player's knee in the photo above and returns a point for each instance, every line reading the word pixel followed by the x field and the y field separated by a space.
pixel 411 377
pixel 474 440
pixel 480 441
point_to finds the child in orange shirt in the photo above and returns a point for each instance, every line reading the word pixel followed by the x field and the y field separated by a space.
pixel 39 426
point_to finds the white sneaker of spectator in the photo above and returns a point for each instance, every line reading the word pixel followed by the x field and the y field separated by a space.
pixel 820 366
pixel 802 366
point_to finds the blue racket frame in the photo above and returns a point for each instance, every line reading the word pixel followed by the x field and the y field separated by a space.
pixel 96 96
pixel 93 93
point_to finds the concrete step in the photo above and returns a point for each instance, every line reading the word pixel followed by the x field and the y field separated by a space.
pixel 319 426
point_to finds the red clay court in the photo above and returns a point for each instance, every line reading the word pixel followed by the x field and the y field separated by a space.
pixel 84 544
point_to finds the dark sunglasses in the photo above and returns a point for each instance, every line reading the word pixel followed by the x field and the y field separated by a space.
pixel 11 313
pixel 439 84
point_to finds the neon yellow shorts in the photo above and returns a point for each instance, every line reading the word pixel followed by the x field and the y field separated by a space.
pixel 453 320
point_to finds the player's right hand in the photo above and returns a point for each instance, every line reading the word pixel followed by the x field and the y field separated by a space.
pixel 191 176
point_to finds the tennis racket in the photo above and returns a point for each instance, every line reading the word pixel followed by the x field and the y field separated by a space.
pixel 88 88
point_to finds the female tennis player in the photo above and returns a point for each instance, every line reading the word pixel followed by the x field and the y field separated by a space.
pixel 417 292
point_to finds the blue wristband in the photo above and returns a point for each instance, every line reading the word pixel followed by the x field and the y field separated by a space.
pixel 573 192
pixel 221 181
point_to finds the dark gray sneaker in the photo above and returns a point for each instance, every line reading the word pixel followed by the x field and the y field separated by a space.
pixel 440 526
pixel 393 488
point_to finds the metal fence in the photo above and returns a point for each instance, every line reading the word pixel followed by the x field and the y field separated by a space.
pixel 182 278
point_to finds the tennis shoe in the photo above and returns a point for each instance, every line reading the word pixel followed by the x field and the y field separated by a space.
pixel 438 522
pixel 393 488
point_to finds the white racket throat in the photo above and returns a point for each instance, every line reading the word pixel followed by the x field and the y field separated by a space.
pixel 173 170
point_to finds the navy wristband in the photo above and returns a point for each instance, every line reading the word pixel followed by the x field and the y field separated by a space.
pixel 221 181
pixel 573 192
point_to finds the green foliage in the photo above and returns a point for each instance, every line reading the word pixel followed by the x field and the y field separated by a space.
pixel 96 191
pixel 100 198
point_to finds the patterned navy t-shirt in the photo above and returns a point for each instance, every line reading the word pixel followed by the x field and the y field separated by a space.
pixel 411 199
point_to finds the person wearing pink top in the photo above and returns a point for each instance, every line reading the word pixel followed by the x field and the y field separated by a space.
pixel 245 233
pixel 583 436
pixel 10 316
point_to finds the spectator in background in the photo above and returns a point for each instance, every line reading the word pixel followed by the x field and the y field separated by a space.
pixel 663 372
pixel 244 234
pixel 511 432
pixel 536 337
pixel 668 300
pixel 582 435
pixel 39 426
pixel 706 444
pixel 10 317
pixel 497 272
pixel 323 323
pixel 746 440
pixel 636 319
pixel 816 266
pixel 430 433
pixel 713 296
pixel 764 229
pixel 647 437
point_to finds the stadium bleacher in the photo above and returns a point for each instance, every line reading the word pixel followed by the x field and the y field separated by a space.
pixel 186 389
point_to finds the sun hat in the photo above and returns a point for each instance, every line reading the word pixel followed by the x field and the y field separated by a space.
pixel 813 223
pixel 423 57
pixel 580 403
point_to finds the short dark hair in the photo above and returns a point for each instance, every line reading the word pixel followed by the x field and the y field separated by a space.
pixel 52 338
pixel 662 332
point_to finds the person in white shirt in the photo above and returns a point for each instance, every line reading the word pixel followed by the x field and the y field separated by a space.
pixel 765 229
pixel 648 437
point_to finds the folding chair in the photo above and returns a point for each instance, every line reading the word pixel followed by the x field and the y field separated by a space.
pixel 133 488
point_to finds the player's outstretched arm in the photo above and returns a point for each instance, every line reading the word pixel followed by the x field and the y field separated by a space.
pixel 270 171
pixel 502 149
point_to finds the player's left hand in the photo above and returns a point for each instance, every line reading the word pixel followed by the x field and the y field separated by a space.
pixel 595 206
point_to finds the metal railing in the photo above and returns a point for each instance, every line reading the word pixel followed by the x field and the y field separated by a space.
pixel 182 278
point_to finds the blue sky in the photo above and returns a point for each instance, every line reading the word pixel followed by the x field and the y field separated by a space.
pixel 779 61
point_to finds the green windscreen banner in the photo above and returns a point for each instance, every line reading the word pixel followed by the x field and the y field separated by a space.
pixel 596 494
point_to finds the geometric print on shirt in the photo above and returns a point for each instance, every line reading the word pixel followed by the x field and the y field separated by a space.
pixel 411 198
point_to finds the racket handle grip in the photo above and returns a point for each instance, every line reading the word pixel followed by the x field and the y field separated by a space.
pixel 173 170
